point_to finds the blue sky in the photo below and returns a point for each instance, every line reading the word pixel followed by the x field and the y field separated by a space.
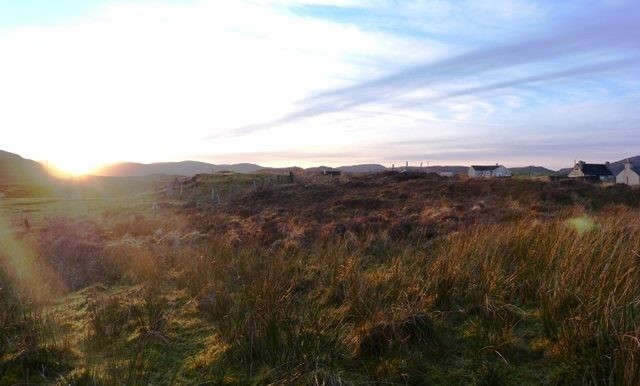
pixel 311 82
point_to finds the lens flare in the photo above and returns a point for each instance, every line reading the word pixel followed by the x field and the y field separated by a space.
pixel 581 224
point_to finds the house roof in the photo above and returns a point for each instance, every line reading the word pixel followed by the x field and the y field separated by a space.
pixel 634 168
pixel 482 168
pixel 595 170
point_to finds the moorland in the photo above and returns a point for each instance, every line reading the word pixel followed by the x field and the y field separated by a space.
pixel 387 278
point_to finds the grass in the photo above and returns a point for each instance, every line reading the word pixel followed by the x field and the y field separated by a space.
pixel 385 279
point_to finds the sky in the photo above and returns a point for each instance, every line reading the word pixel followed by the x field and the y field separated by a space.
pixel 85 83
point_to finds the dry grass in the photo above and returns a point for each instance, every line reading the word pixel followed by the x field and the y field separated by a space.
pixel 385 280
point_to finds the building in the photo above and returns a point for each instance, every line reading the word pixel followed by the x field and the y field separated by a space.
pixel 591 172
pixel 630 175
pixel 482 171
pixel 331 172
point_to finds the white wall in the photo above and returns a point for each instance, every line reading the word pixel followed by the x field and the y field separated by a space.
pixel 628 176
pixel 500 171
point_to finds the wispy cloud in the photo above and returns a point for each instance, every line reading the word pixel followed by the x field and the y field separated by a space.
pixel 583 46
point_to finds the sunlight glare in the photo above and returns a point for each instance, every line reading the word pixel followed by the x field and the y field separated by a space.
pixel 73 168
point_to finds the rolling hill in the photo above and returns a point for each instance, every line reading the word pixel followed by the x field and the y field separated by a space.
pixel 16 170
pixel 184 168
pixel 532 171
pixel 190 168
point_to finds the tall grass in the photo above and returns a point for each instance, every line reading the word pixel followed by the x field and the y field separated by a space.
pixel 521 292
pixel 422 293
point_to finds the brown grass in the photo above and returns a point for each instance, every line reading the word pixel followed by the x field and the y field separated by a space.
pixel 385 280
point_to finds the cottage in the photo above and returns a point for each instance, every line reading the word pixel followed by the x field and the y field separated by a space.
pixel 591 172
pixel 331 172
pixel 482 171
pixel 630 175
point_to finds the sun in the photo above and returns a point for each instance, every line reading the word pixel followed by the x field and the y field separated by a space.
pixel 73 168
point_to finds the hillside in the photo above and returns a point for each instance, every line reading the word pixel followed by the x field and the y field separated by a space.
pixel 20 177
pixel 364 168
pixel 191 168
pixel 183 168
pixel 17 170
pixel 446 169
pixel 532 171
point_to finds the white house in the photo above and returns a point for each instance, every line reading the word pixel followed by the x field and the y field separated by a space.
pixel 483 171
pixel 591 172
pixel 630 175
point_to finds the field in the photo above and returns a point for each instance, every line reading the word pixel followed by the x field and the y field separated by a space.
pixel 377 279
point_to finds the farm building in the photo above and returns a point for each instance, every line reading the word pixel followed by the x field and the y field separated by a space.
pixel 483 171
pixel 591 172
pixel 630 175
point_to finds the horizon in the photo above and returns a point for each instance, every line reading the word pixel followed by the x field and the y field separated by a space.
pixel 57 171
pixel 320 82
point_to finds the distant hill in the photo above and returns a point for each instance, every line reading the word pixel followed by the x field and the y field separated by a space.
pixel 191 168
pixel 184 168
pixel 433 169
pixel 364 168
pixel 447 169
pixel 319 169
pixel 532 171
pixel 284 170
pixel 15 170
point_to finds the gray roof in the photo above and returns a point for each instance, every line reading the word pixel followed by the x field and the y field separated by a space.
pixel 595 170
pixel 634 168
pixel 482 168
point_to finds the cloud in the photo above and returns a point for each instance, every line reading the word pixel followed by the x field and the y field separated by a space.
pixel 146 81
pixel 613 34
